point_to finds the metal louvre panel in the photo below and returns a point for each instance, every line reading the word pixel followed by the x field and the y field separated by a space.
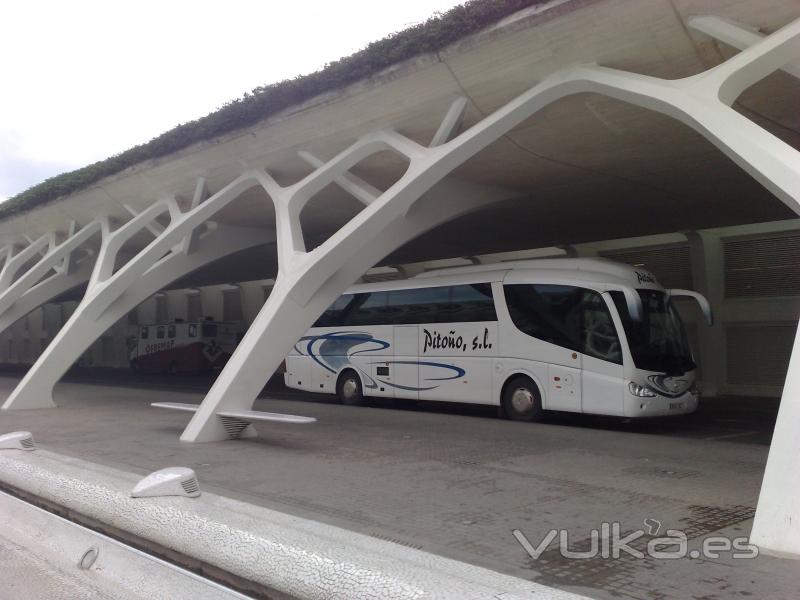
pixel 671 265
pixel 758 354
pixel 762 267
pixel 376 277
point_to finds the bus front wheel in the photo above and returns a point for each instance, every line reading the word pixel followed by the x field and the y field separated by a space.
pixel 348 389
pixel 522 400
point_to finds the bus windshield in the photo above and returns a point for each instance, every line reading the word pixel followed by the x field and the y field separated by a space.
pixel 658 342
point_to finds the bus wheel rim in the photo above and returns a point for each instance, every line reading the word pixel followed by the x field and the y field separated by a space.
pixel 349 388
pixel 522 400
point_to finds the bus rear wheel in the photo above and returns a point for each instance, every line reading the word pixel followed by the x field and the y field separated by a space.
pixel 522 400
pixel 349 390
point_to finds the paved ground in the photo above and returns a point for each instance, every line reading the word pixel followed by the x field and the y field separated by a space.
pixel 456 481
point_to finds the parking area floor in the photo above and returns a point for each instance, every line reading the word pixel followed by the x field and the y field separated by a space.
pixel 456 481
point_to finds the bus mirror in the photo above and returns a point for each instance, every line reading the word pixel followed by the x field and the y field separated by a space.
pixel 705 306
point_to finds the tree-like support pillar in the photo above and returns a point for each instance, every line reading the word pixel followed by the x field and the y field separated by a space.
pixel 309 280
pixel 112 294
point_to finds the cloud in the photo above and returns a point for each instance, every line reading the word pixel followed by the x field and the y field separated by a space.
pixel 18 173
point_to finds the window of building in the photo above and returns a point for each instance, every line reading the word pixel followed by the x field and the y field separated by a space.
pixel 194 307
pixel 232 305
pixel 161 309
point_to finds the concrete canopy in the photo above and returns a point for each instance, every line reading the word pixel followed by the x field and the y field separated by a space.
pixel 585 168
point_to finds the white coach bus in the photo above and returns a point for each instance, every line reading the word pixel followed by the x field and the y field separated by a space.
pixel 577 335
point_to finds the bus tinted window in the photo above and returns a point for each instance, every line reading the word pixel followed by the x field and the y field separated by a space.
pixel 145 331
pixel 568 316
pixel 334 316
pixel 209 330
pixel 171 331
pixel 422 305
pixel 160 332
pixel 192 330
pixel 368 309
pixel 547 312
pixel 443 304
pixel 470 303
pixel 598 334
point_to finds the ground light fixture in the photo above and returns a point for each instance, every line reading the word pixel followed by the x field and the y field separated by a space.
pixel 171 481
pixel 17 440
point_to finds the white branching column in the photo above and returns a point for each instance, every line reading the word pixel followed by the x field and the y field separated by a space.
pixel 187 244
pixel 310 280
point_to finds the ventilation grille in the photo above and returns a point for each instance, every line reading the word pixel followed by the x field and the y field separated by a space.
pixel 378 277
pixel 234 427
pixel 27 443
pixel 671 265
pixel 758 354
pixel 190 486
pixel 762 267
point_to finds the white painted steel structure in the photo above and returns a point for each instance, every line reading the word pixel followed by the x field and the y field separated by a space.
pixel 309 280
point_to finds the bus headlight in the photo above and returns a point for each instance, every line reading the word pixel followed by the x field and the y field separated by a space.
pixel 641 391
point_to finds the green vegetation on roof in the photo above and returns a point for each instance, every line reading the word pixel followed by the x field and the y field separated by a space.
pixel 430 36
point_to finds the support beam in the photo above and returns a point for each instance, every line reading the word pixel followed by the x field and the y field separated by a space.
pixel 45 291
pixel 736 35
pixel 450 123
pixel 14 263
pixel 108 299
pixel 52 260
pixel 309 281
pixel 282 320
pixel 776 527
pixel 355 186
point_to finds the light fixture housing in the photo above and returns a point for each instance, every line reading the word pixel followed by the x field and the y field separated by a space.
pixel 172 481
pixel 17 440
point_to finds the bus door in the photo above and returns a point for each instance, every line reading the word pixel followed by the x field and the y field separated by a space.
pixel 405 367
pixel 603 374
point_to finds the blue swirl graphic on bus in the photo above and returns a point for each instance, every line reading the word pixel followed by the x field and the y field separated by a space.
pixel 459 373
pixel 333 351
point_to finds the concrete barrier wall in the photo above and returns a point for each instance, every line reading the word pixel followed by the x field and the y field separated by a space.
pixel 49 549
pixel 292 556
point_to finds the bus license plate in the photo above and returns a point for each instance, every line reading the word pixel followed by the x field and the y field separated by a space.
pixel 675 405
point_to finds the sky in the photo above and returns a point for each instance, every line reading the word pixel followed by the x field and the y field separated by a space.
pixel 81 80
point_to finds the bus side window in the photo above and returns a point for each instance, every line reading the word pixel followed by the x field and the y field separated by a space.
pixel 160 332
pixel 144 332
pixel 209 330
pixel 547 312
pixel 192 330
pixel 372 310
pixel 598 334
pixel 471 303
pixel 334 316
pixel 421 305
pixel 171 331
